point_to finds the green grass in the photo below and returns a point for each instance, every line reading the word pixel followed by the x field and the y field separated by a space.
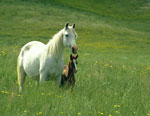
pixel 114 58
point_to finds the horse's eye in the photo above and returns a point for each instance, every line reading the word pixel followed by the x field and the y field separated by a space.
pixel 67 35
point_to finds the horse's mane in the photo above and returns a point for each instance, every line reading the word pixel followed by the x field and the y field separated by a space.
pixel 55 45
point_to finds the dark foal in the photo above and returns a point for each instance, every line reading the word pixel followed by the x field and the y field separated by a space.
pixel 68 75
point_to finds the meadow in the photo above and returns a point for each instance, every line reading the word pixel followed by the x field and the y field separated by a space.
pixel 113 77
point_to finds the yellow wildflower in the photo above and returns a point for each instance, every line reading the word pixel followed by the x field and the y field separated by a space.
pixel 117 112
pixel 79 113
pixel 6 92
pixel 148 68
pixel 25 111
pixel 148 114
pixel 96 62
pixel 19 95
pixel 3 91
pixel 42 93
pixel 106 65
pixel 115 106
pixel 40 113
pixel 61 112
pixel 123 66
pixel 102 113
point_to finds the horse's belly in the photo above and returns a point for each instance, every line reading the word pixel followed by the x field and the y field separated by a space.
pixel 31 67
pixel 31 64
pixel 51 68
pixel 56 69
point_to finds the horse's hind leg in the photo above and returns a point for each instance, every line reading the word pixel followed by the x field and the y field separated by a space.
pixel 21 76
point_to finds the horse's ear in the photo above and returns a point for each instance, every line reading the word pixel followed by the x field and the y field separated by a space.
pixel 74 25
pixel 66 26
pixel 77 56
pixel 71 57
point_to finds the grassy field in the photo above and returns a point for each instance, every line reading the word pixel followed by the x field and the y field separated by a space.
pixel 114 57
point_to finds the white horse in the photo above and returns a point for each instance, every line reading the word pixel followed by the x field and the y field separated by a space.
pixel 46 60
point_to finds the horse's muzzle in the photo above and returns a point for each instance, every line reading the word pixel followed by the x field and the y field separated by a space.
pixel 74 49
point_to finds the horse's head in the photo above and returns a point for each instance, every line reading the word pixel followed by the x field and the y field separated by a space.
pixel 73 63
pixel 69 38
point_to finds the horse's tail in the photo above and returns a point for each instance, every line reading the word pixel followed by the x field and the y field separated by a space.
pixel 20 71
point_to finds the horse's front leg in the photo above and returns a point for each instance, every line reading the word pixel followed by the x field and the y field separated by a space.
pixel 43 76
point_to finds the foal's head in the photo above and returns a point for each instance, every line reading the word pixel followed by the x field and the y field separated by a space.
pixel 73 63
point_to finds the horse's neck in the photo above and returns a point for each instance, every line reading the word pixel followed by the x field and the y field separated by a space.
pixel 55 46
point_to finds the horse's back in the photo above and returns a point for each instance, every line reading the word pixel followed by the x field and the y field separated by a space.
pixel 32 48
pixel 31 53
pixel 33 44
